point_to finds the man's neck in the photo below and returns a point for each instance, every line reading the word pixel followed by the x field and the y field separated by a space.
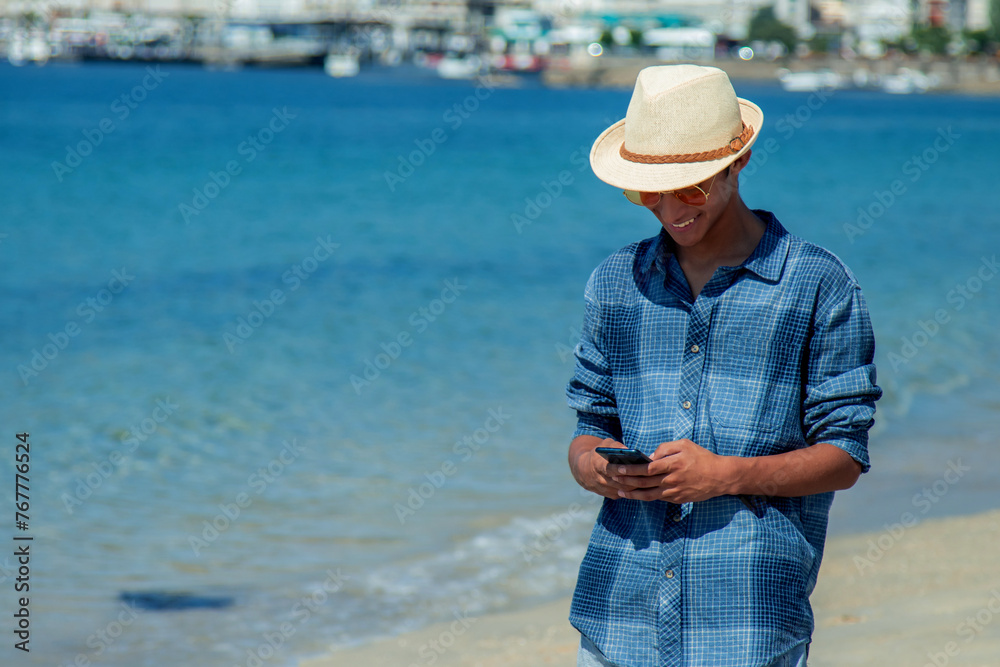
pixel 734 238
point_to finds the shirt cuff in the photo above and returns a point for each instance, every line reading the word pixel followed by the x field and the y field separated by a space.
pixel 600 426
pixel 858 449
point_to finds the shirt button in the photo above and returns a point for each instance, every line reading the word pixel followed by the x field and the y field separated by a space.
pixel 669 574
pixel 686 405
pixel 695 349
pixel 678 517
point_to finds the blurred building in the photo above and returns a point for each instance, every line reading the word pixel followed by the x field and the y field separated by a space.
pixel 869 19
pixel 403 11
pixel 890 20
pixel 956 14
pixel 729 17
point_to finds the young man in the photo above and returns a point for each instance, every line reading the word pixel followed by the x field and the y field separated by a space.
pixel 739 359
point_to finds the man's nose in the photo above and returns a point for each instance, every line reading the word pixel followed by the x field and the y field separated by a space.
pixel 671 208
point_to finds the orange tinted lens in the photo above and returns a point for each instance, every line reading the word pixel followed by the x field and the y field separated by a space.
pixel 691 196
pixel 649 198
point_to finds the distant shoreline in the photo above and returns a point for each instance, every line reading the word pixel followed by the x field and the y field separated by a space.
pixel 981 77
pixel 893 597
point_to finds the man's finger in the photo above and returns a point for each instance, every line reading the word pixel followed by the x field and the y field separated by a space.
pixel 613 483
pixel 628 469
pixel 667 449
pixel 633 483
pixel 641 494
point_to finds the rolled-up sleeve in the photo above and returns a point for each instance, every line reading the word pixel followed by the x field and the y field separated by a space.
pixel 591 392
pixel 840 392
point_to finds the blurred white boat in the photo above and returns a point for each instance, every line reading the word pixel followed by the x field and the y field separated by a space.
pixel 459 67
pixel 341 65
pixel 907 82
pixel 24 48
pixel 808 82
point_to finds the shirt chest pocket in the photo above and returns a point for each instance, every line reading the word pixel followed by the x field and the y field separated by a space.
pixel 741 386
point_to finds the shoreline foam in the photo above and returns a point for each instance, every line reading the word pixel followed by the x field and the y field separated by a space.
pixel 918 595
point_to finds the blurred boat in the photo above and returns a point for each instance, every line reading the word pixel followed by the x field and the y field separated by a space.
pixel 808 82
pixel 459 67
pixel 25 48
pixel 341 65
pixel 520 62
pixel 907 82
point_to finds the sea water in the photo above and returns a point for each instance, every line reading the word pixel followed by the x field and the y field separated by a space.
pixel 297 345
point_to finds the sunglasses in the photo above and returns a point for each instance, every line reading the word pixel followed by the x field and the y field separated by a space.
pixel 692 196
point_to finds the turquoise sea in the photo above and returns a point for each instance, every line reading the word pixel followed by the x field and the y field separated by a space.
pixel 294 348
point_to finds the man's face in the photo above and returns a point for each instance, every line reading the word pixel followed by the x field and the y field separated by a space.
pixel 689 225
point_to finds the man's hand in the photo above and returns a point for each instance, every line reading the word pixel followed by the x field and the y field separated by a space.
pixel 590 469
pixel 681 472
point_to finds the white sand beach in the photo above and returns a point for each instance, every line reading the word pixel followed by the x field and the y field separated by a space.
pixel 922 595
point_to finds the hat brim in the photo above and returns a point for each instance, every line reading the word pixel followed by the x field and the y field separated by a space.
pixel 613 169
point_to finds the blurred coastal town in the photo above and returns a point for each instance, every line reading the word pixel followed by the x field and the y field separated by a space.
pixel 900 46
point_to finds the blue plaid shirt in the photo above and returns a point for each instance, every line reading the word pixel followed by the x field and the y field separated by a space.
pixel 774 355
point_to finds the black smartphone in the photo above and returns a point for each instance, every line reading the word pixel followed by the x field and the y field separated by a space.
pixel 623 456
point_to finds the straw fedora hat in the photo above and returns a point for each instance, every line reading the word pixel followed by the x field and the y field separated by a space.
pixel 683 125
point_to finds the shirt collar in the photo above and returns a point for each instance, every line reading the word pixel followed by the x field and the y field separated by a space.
pixel 767 260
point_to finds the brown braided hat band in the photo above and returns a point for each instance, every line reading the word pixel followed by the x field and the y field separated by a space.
pixel 732 148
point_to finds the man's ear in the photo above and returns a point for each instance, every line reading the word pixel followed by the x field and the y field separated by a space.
pixel 737 166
